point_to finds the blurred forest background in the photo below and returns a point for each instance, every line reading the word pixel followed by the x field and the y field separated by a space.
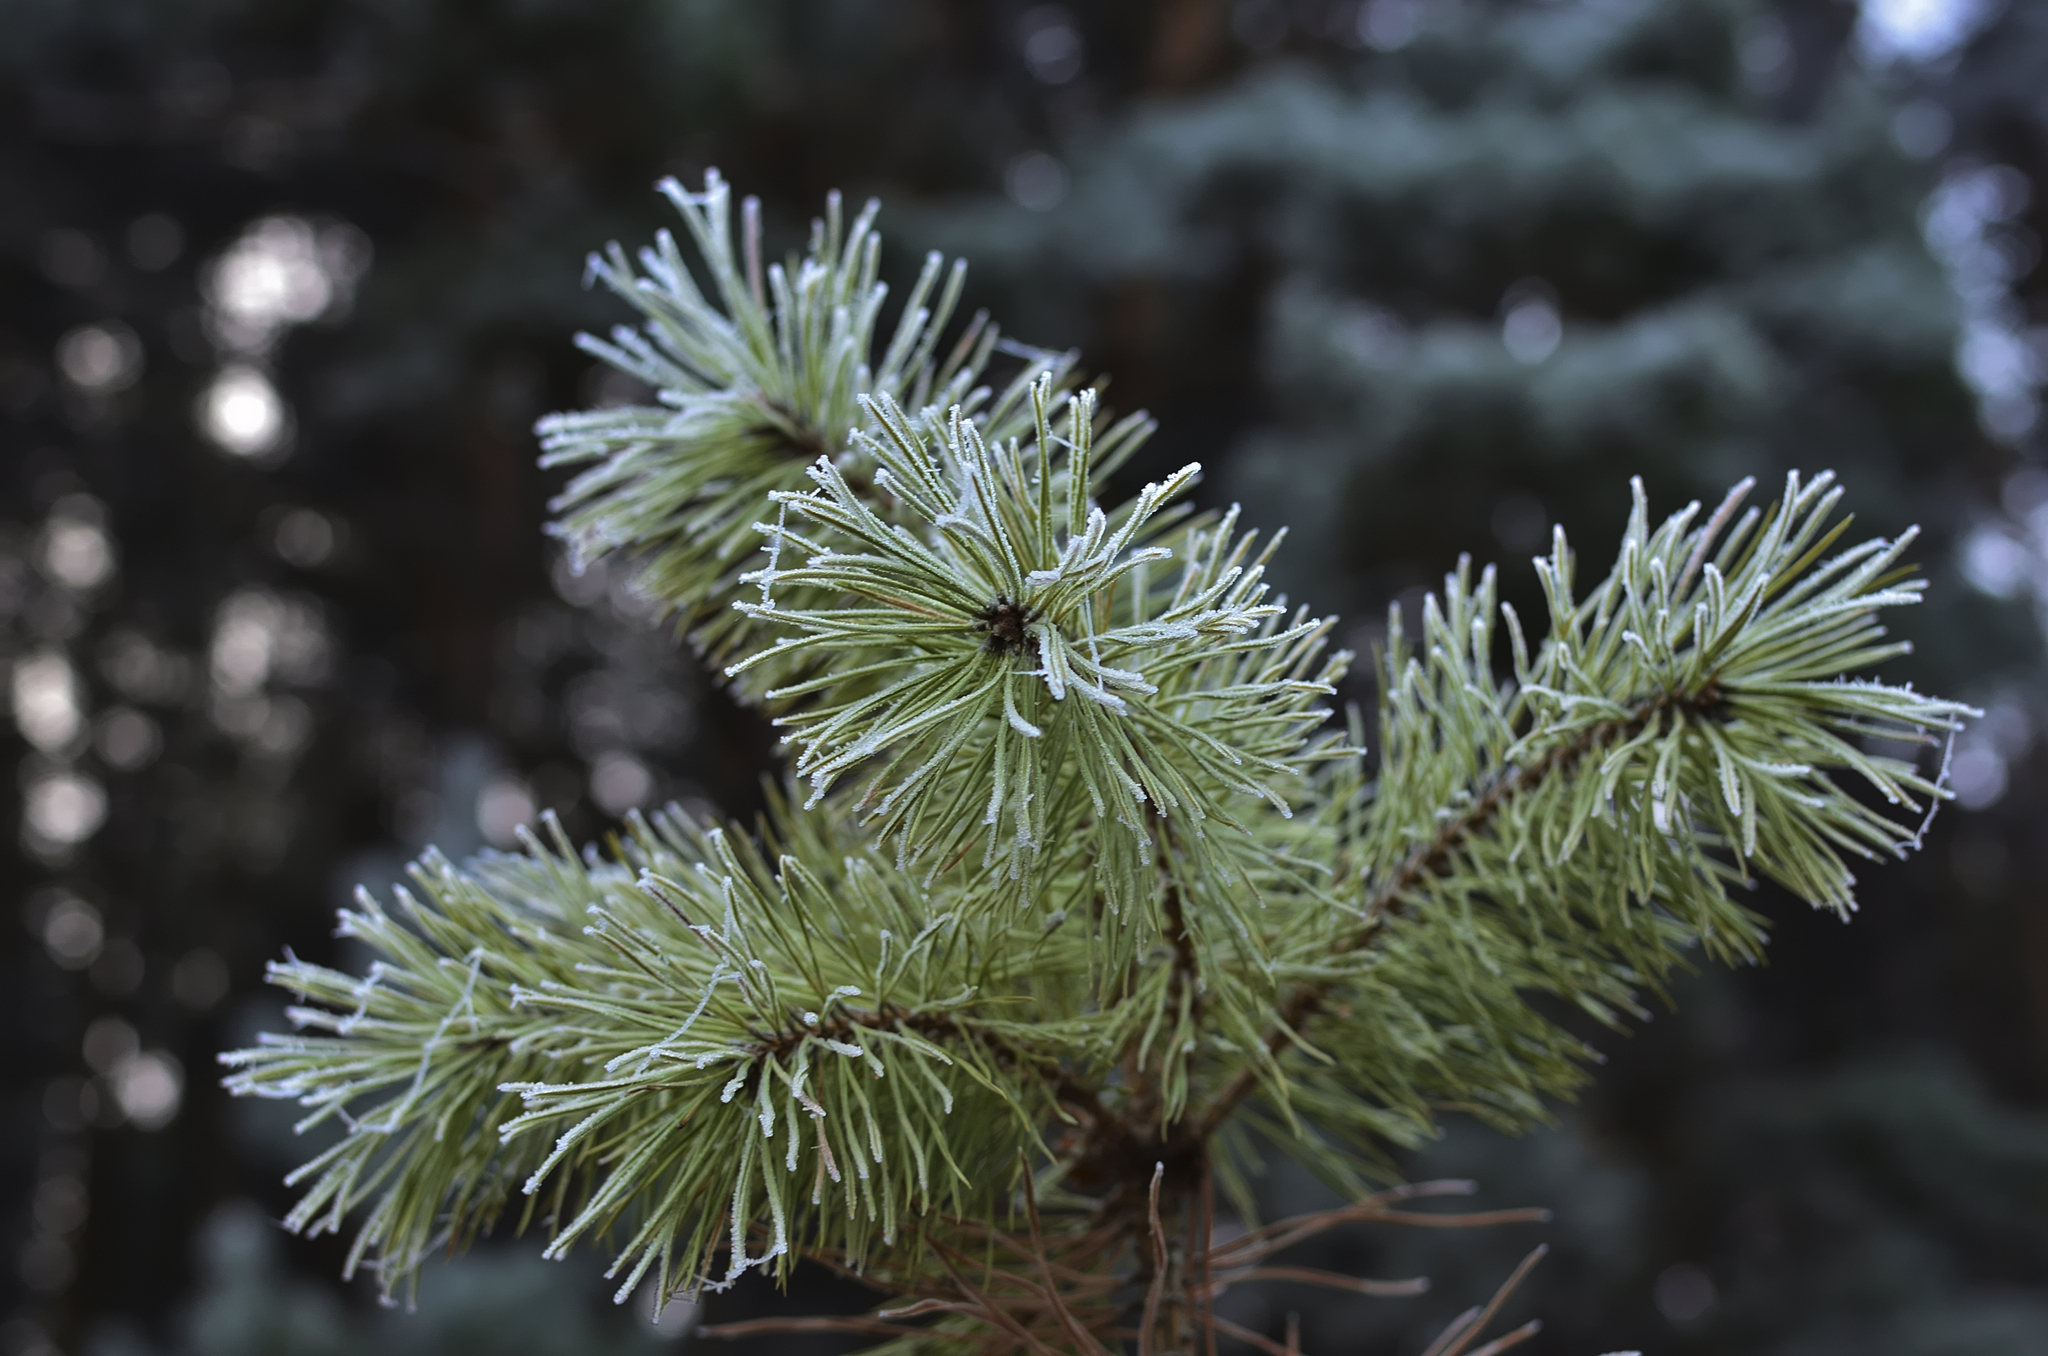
pixel 284 285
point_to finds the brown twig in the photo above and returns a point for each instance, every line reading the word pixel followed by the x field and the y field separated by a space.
pixel 1457 1328
pixel 1296 1228
pixel 1012 1312
pixel 1078 1247
pixel 1357 1285
pixel 1158 1281
pixel 1072 1277
pixel 921 1308
pixel 1373 1204
pixel 1512 1339
pixel 1030 1295
pixel 851 1323
pixel 1483 1219
pixel 1285 1234
pixel 1218 1323
pixel 988 1311
pixel 1436 1186
pixel 1082 1337
pixel 1470 1331
pixel 1206 1276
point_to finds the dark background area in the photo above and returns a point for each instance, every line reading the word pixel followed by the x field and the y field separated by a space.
pixel 283 287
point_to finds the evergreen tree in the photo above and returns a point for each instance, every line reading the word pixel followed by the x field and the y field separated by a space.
pixel 1078 903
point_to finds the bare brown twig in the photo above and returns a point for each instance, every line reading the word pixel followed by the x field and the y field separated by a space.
pixel 1157 1287
pixel 1206 1277
pixel 1330 1280
pixel 1277 1237
pixel 1467 1327
pixel 1082 1337
pixel 1512 1339
pixel 1218 1323
pixel 1072 1298
pixel 755 1327
pixel 995 1315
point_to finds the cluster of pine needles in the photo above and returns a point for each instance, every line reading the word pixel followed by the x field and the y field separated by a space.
pixel 1081 902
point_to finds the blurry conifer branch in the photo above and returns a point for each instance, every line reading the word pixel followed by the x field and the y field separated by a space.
pixel 1088 902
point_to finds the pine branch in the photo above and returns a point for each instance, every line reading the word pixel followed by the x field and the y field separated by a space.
pixel 1021 629
pixel 756 380
pixel 1629 758
pixel 1403 891
pixel 704 1020
pixel 1195 929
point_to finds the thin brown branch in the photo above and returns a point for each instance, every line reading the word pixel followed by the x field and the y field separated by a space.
pixel 1372 1205
pixel 1454 1330
pixel 1218 1323
pixel 1439 1186
pixel 1484 1219
pixel 753 1327
pixel 1285 1234
pixel 1070 1276
pixel 1014 1307
pixel 1512 1339
pixel 1028 1293
pixel 1500 1297
pixel 1205 1277
pixel 1157 1286
pixel 920 1308
pixel 1295 1228
pixel 988 1311
pixel 1077 1246
pixel 1083 1339
pixel 1357 1285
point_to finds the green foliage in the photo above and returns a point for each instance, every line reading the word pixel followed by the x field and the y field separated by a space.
pixel 1573 832
pixel 728 1028
pixel 1199 924
pixel 977 629
pixel 757 379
